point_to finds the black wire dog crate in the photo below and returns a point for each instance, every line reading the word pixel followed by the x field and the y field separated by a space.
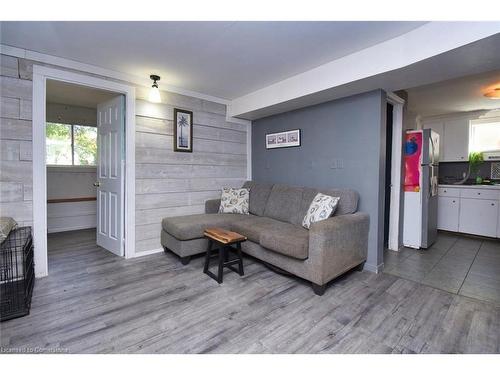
pixel 17 274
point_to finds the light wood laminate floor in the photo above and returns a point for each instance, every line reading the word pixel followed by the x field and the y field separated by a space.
pixel 95 302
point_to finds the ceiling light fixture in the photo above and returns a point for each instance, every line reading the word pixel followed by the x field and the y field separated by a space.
pixel 154 93
pixel 493 94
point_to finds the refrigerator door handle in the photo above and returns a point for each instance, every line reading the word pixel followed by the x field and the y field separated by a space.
pixel 431 143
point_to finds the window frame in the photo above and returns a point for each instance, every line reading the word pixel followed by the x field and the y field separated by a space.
pixel 72 165
pixel 472 123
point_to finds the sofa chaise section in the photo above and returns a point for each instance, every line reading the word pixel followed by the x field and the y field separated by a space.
pixel 183 235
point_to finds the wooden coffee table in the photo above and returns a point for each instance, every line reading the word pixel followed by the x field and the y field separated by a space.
pixel 226 242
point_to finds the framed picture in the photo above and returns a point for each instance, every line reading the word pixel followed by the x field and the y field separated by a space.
pixel 183 130
pixel 289 138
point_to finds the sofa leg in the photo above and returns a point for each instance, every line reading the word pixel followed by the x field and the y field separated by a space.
pixel 185 260
pixel 165 249
pixel 318 289
pixel 360 267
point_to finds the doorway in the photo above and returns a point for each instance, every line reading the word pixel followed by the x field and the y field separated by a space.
pixel 115 117
pixel 393 182
pixel 388 171
pixel 79 158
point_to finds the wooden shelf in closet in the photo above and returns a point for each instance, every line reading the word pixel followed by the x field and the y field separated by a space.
pixel 67 200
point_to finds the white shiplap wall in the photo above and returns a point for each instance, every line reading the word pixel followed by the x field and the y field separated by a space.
pixel 172 183
pixel 71 182
pixel 16 167
pixel 167 183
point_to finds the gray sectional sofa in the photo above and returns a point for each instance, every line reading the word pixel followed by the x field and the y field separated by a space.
pixel 275 233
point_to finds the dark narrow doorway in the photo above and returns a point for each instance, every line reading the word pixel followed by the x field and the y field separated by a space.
pixel 388 164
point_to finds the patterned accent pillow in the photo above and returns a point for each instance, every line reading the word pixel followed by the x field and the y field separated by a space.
pixel 7 224
pixel 234 201
pixel 321 208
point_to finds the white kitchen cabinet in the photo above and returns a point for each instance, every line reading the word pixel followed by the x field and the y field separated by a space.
pixel 478 216
pixel 498 223
pixel 455 140
pixel 448 192
pixel 448 212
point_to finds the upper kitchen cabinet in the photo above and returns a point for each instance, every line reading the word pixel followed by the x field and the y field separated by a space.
pixel 456 140
pixel 463 131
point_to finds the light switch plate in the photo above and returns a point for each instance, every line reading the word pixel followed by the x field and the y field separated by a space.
pixel 337 164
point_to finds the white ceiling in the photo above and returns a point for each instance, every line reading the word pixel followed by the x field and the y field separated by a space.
pixel 70 94
pixel 456 95
pixel 223 59
pixel 470 59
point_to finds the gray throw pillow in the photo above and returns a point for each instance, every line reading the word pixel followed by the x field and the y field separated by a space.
pixel 234 201
pixel 7 224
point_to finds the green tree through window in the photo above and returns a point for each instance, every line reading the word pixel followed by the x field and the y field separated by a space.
pixel 71 144
pixel 85 145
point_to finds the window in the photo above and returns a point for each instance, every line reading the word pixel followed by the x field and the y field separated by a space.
pixel 484 136
pixel 71 144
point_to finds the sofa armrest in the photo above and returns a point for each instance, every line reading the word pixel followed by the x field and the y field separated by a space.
pixel 338 244
pixel 212 206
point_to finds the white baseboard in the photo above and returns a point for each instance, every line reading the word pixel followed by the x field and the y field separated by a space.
pixel 148 252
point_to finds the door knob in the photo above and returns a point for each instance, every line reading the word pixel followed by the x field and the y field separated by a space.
pixel 97 184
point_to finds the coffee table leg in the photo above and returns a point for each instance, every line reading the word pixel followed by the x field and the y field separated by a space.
pixel 207 256
pixel 240 265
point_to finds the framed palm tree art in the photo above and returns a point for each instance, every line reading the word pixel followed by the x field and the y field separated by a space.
pixel 183 130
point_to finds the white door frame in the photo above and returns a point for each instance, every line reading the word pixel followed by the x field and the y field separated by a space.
pixel 394 242
pixel 40 76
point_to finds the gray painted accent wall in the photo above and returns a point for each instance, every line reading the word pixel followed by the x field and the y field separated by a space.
pixel 350 132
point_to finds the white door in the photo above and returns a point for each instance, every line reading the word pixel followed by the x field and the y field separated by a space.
pixel 110 138
pixel 412 219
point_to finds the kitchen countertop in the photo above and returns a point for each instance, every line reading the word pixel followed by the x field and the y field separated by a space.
pixel 491 187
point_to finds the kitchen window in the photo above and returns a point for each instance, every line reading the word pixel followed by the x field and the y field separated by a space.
pixel 484 136
pixel 71 145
